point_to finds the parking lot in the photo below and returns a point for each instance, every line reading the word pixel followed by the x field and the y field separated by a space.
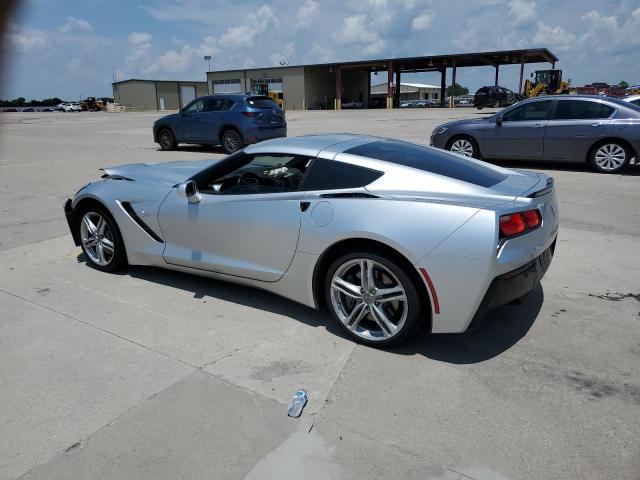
pixel 161 375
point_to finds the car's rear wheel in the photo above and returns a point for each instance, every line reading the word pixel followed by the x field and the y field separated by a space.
pixel 610 157
pixel 100 239
pixel 231 141
pixel 167 140
pixel 372 298
pixel 464 146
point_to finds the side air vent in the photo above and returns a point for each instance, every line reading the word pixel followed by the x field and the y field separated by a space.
pixel 106 176
pixel 126 206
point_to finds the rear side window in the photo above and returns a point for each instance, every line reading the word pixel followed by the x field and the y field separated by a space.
pixel 430 160
pixel 334 175
pixel 218 104
pixel 581 110
pixel 261 102
pixel 528 112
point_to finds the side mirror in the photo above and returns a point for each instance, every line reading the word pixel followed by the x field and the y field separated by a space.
pixel 189 190
pixel 499 120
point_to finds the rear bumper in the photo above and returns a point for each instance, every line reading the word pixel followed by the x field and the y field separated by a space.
pixel 264 133
pixel 512 285
pixel 72 219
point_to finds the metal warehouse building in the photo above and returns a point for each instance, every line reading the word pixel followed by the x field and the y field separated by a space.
pixel 138 94
pixel 328 85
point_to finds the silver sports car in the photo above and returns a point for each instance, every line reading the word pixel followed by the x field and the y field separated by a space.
pixel 389 236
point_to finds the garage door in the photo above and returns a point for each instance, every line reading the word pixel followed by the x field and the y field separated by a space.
pixel 187 93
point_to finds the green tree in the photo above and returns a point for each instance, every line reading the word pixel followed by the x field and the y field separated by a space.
pixel 623 83
pixel 459 90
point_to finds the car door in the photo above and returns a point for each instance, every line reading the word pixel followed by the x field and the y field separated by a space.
pixel 212 119
pixel 246 223
pixel 573 127
pixel 520 134
pixel 191 120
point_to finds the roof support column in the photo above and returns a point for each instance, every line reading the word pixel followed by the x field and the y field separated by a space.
pixel 452 98
pixel 338 103
pixel 390 85
pixel 521 73
pixel 497 70
pixel 396 99
pixel 443 84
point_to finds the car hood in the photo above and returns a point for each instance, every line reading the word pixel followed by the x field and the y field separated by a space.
pixel 170 173
pixel 466 121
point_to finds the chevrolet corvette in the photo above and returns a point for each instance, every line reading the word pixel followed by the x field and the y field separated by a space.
pixel 389 236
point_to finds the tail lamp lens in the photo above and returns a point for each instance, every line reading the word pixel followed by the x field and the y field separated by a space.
pixel 251 114
pixel 517 223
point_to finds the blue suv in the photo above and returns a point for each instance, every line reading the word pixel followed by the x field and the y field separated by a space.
pixel 231 121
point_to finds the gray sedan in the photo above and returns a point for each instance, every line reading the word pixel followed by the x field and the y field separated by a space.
pixel 604 132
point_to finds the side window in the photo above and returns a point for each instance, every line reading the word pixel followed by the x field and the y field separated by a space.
pixel 219 105
pixel 581 110
pixel 636 102
pixel 262 173
pixel 195 107
pixel 335 175
pixel 528 112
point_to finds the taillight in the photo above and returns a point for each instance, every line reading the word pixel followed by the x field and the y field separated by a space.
pixel 251 114
pixel 519 222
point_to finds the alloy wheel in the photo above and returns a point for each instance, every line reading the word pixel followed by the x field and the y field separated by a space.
pixel 166 139
pixel 610 156
pixel 463 147
pixel 231 141
pixel 97 238
pixel 369 299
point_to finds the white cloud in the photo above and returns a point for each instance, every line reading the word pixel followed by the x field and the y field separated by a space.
pixel 422 22
pixel 355 30
pixel 139 38
pixel 318 54
pixel 554 37
pixel 27 40
pixel 522 11
pixel 255 24
pixel 172 61
pixel 307 12
pixel 283 56
pixel 75 24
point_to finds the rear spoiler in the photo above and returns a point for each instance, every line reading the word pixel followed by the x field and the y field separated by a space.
pixel 544 191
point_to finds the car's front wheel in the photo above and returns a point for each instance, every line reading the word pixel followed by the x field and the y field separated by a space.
pixel 372 298
pixel 231 141
pixel 100 239
pixel 167 140
pixel 610 157
pixel 464 146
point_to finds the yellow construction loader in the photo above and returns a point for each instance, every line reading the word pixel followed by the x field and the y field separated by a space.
pixel 547 82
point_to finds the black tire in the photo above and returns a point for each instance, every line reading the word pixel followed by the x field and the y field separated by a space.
pixel 167 139
pixel 474 145
pixel 415 315
pixel 479 107
pixel 118 259
pixel 599 161
pixel 231 140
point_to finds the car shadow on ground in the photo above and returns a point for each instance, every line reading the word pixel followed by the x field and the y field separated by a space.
pixel 632 170
pixel 196 149
pixel 502 328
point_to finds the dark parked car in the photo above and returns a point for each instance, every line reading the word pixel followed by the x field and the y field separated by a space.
pixel 603 131
pixel 495 97
pixel 229 120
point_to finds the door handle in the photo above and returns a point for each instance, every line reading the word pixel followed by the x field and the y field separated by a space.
pixel 304 206
pixel 596 124
pixel 537 125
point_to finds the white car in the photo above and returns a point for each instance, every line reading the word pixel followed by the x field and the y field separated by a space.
pixel 635 99
pixel 72 107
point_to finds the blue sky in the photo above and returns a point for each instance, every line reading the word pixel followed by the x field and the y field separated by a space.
pixel 71 48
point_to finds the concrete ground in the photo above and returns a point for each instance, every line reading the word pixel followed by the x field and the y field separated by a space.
pixel 161 375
